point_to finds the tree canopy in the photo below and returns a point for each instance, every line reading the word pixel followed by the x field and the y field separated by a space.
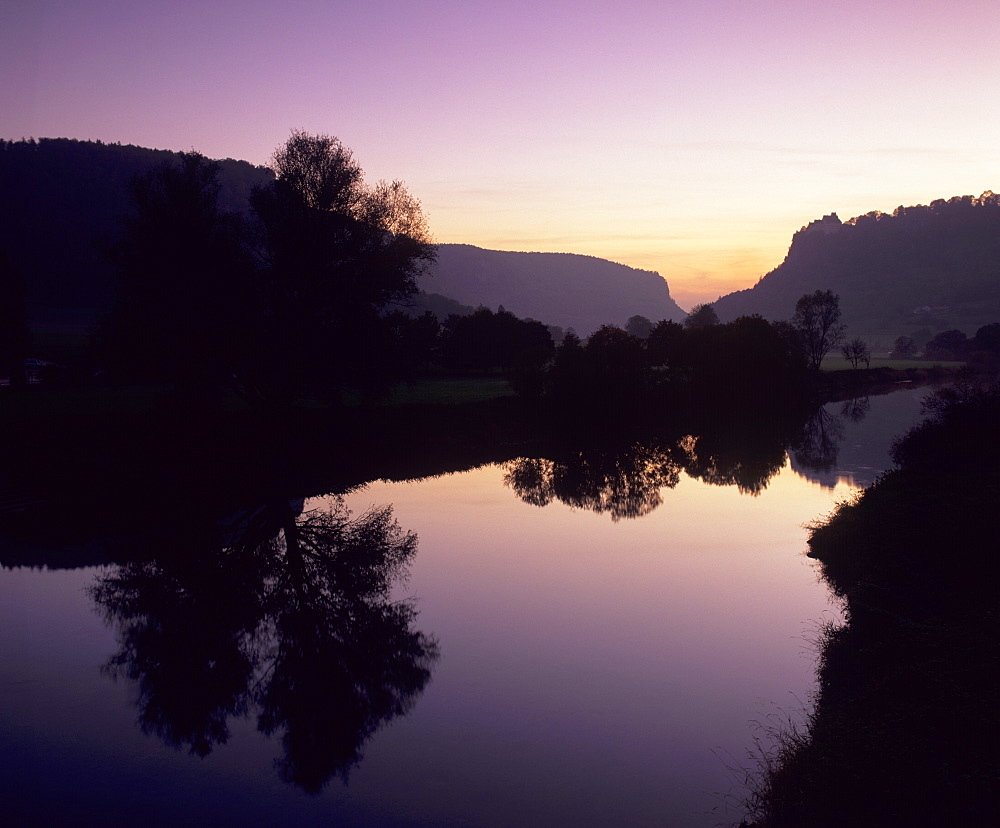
pixel 817 320
pixel 184 293
pixel 292 301
pixel 701 316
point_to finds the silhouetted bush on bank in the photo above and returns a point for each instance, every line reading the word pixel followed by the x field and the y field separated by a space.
pixel 897 736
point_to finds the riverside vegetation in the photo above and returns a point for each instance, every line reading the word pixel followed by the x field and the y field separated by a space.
pixel 900 730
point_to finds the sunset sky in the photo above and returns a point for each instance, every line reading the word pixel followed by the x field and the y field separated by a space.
pixel 690 137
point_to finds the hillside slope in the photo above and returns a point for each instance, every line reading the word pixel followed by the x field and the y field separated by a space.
pixel 63 202
pixel 929 267
pixel 564 289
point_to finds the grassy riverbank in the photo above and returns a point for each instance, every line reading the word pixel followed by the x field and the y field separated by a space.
pixel 899 733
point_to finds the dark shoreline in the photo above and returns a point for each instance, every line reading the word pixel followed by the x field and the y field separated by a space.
pixel 899 735
pixel 100 470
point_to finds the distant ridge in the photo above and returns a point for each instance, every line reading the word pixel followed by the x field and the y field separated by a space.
pixel 930 268
pixel 564 289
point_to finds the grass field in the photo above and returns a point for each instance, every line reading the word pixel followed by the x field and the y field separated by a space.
pixel 837 363
pixel 452 390
pixel 42 403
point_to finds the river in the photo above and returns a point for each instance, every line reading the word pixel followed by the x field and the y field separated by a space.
pixel 590 639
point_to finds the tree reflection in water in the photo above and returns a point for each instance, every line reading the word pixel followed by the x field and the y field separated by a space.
pixel 291 620
pixel 819 441
pixel 747 461
pixel 627 482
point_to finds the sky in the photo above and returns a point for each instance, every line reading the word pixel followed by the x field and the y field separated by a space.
pixel 689 137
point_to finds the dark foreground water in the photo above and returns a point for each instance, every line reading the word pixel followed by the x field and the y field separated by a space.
pixel 564 645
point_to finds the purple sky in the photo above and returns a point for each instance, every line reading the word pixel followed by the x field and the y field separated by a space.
pixel 691 138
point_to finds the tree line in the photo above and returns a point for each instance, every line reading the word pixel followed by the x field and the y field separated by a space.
pixel 952 344
pixel 699 360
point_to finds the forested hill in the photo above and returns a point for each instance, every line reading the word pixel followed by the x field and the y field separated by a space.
pixel 934 267
pixel 563 289
pixel 62 203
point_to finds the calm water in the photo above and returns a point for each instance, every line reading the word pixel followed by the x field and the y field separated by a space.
pixel 570 643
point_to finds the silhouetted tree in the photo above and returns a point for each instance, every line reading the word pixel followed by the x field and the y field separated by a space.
pixel 665 343
pixel 856 351
pixel 617 370
pixel 410 342
pixel 743 359
pixel 485 340
pixel 987 338
pixel 817 320
pixel 568 381
pixel 335 253
pixel 638 326
pixel 701 316
pixel 948 345
pixel 904 347
pixel 184 298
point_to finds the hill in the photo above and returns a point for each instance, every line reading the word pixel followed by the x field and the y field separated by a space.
pixel 564 289
pixel 923 268
pixel 63 201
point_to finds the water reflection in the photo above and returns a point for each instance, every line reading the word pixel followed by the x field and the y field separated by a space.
pixel 856 408
pixel 627 482
pixel 291 620
pixel 743 457
pixel 818 445
pixel 743 449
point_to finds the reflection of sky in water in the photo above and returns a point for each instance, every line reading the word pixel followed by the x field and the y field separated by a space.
pixel 863 445
pixel 591 672
pixel 605 660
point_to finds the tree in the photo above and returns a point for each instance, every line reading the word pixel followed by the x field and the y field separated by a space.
pixel 904 347
pixel 183 300
pixel 817 320
pixel 701 316
pixel 948 345
pixel 665 344
pixel 567 380
pixel 335 255
pixel 639 327
pixel 987 338
pixel 857 351
pixel 747 357
pixel 485 340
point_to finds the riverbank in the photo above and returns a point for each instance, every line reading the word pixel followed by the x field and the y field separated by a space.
pixel 899 731
pixel 85 455
pixel 833 386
